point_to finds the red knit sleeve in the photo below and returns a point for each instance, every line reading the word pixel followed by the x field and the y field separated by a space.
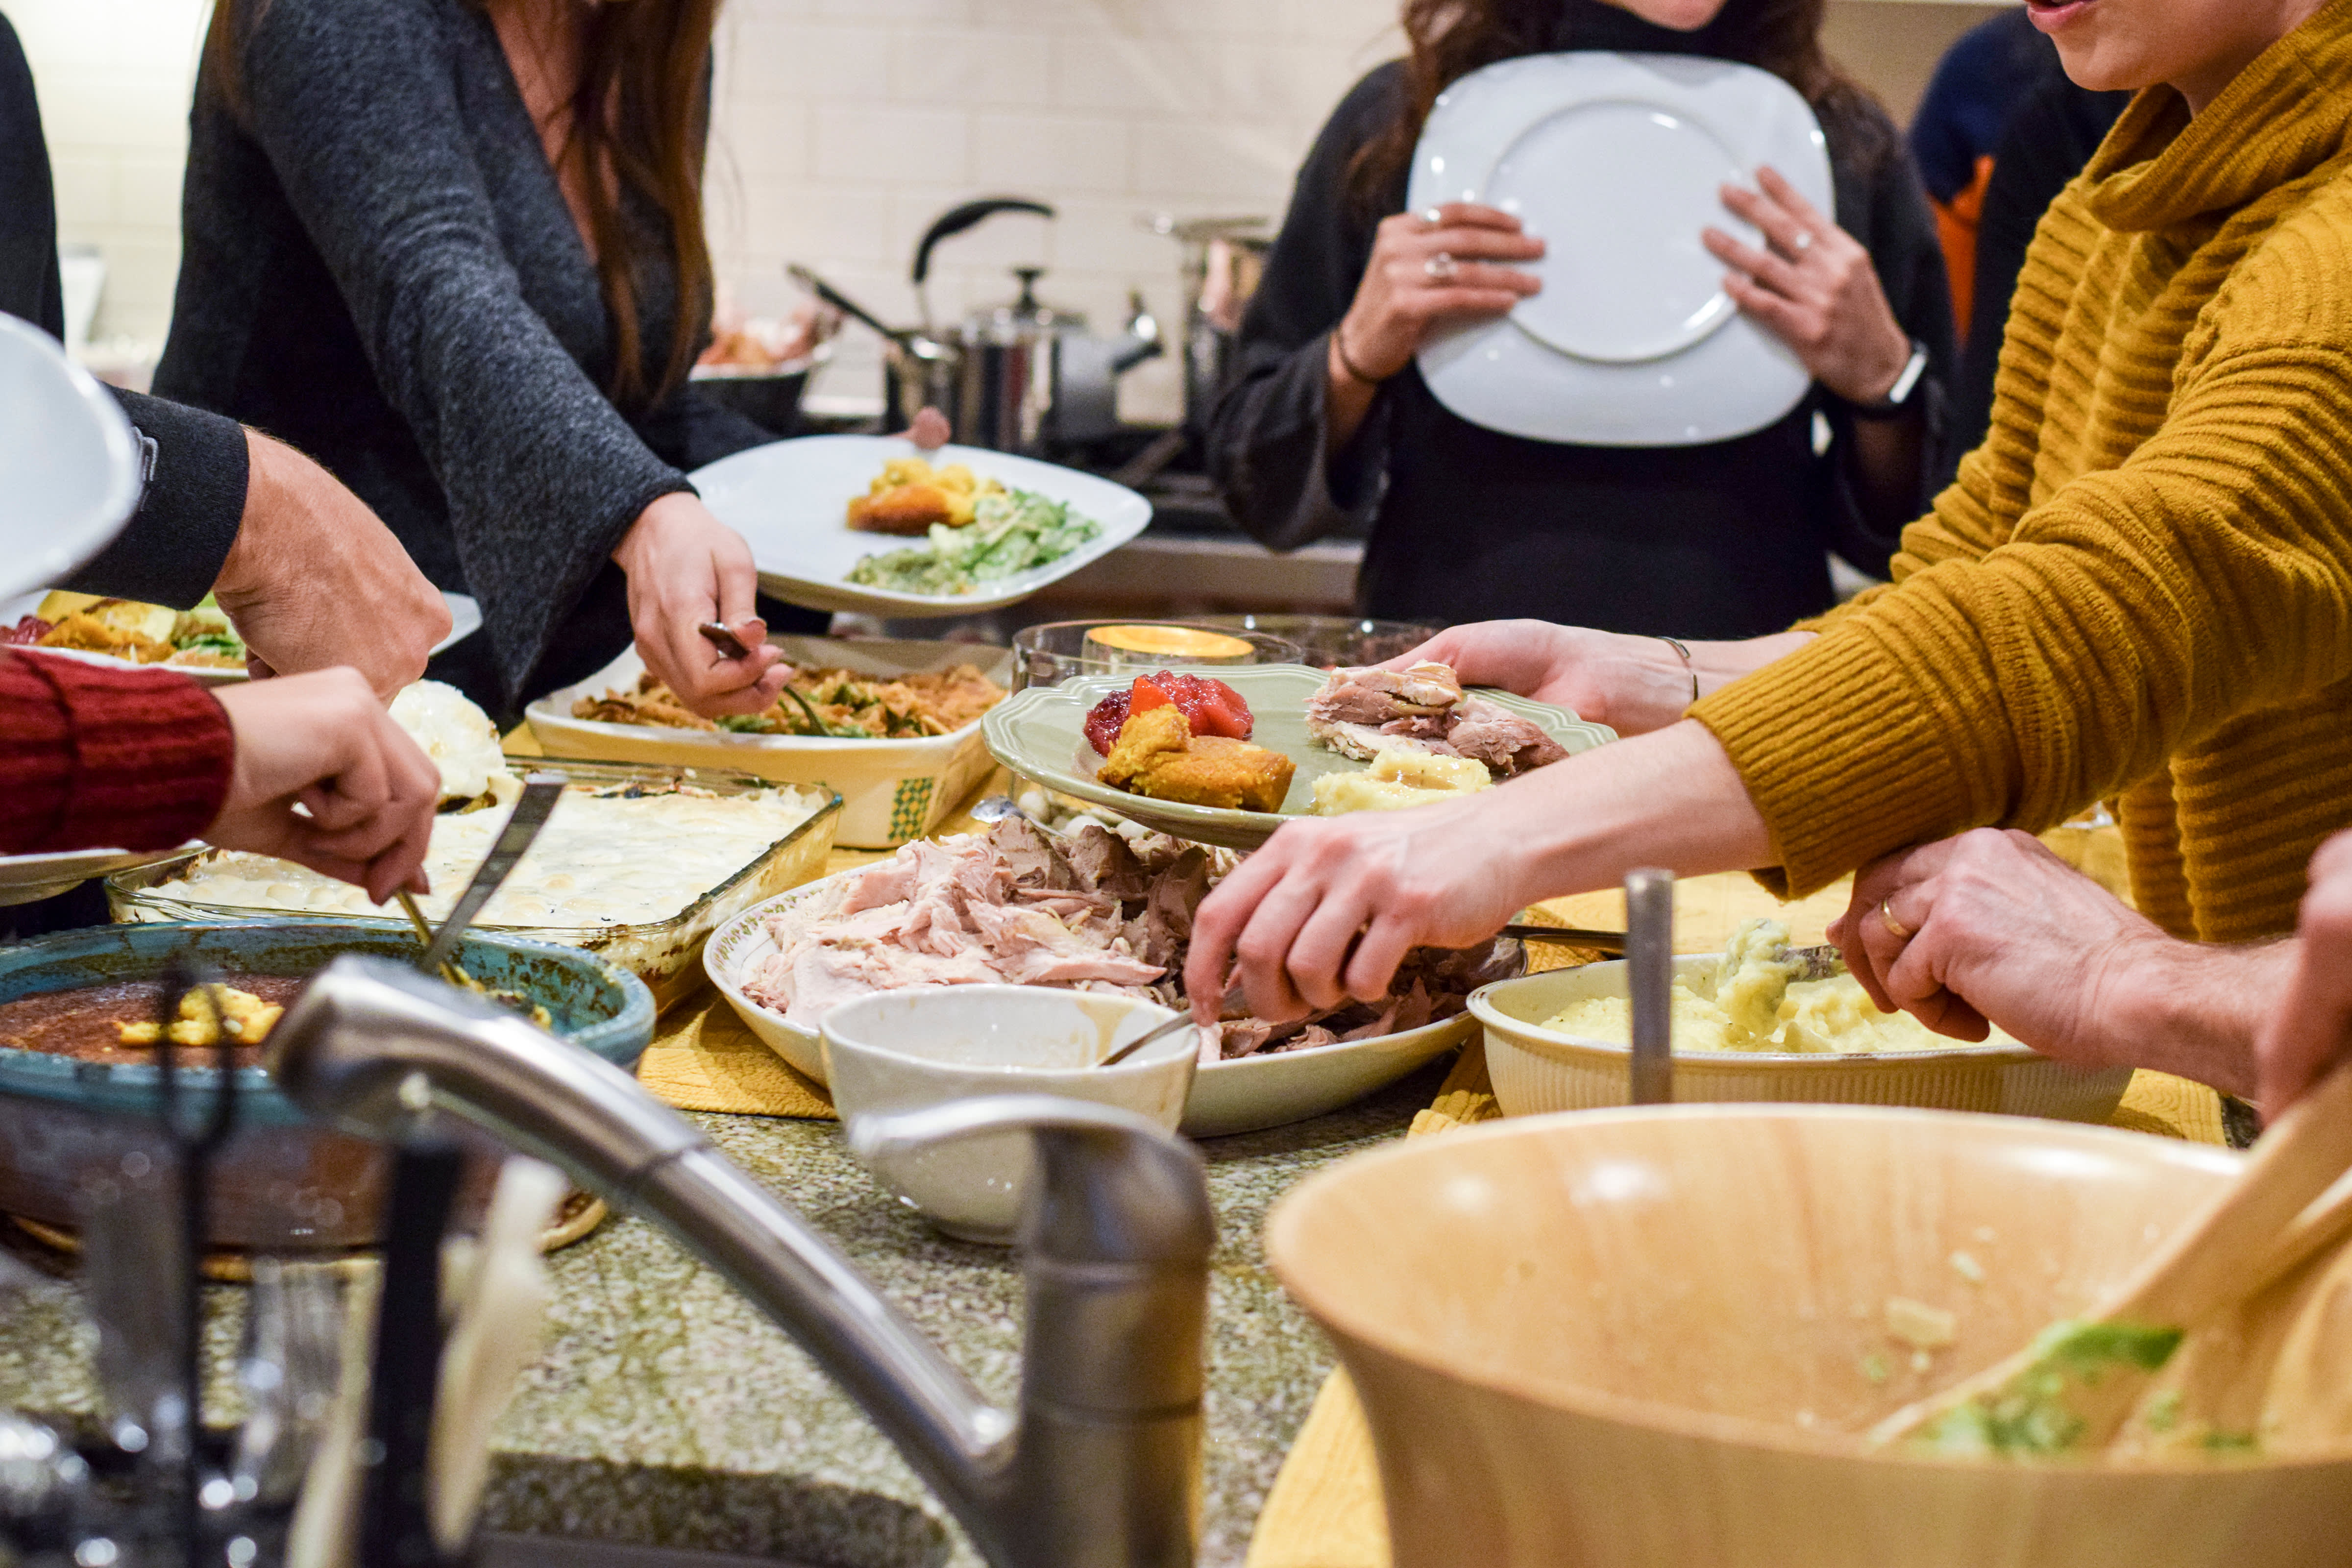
pixel 95 758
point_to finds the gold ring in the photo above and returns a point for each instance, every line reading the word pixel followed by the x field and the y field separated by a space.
pixel 1895 927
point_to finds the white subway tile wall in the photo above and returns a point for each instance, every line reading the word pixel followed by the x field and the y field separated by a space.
pixel 842 127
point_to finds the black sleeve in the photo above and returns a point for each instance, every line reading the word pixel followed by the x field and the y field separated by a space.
pixel 2047 143
pixel 691 428
pixel 172 551
pixel 29 287
pixel 1899 231
pixel 1267 441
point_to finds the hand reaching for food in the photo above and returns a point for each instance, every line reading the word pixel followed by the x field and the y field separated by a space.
pixel 307 550
pixel 1814 288
pixel 322 742
pixel 686 568
pixel 1633 684
pixel 1991 926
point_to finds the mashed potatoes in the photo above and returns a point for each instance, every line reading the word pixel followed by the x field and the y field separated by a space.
pixel 1754 1003
pixel 1398 779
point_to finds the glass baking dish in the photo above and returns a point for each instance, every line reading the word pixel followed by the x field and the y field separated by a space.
pixel 665 954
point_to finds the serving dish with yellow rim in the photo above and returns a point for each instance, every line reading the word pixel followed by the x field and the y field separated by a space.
pixel 892 791
pixel 1538 1069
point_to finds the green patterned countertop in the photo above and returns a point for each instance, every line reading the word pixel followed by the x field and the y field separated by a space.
pixel 664 1412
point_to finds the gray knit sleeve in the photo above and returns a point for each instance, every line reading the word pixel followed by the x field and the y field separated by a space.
pixel 357 108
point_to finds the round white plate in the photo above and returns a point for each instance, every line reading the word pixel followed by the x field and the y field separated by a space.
pixel 1617 162
pixel 1247 1094
pixel 790 500
pixel 68 461
pixel 465 620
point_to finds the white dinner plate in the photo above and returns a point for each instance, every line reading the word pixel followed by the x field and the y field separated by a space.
pixel 1244 1094
pixel 23 877
pixel 465 620
pixel 68 462
pixel 1617 163
pixel 790 500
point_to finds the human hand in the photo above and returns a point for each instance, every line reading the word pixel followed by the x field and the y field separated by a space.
pixel 1330 906
pixel 1992 927
pixel 1632 684
pixel 686 567
pixel 1814 288
pixel 307 550
pixel 1427 267
pixel 2309 1028
pixel 930 430
pixel 322 741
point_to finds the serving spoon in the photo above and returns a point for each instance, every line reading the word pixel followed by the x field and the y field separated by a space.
pixel 2245 1238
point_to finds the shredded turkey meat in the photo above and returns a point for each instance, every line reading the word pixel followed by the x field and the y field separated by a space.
pixel 1092 911
pixel 1360 713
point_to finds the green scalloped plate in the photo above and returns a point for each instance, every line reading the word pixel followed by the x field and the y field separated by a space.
pixel 1040 734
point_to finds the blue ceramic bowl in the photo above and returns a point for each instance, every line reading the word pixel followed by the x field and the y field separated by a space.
pixel 281 1184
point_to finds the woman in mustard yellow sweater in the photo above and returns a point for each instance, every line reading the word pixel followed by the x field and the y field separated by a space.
pixel 2140 588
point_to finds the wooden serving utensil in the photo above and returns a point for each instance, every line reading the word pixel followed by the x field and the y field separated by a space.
pixel 2242 1241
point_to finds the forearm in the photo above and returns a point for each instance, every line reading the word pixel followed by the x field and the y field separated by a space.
pixel 1671 799
pixel 2189 1009
pixel 1347 397
pixel 1649 686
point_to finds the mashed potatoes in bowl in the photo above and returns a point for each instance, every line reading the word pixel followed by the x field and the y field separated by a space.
pixel 1745 1029
pixel 1755 1002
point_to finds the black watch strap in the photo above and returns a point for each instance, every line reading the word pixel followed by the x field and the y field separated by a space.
pixel 1900 396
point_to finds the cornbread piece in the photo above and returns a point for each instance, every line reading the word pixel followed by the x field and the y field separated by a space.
pixel 1158 755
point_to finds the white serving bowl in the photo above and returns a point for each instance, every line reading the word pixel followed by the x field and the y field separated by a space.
pixel 904 1050
pixel 1246 1094
pixel 1538 1069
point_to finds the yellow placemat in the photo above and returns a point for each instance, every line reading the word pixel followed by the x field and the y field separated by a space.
pixel 703 1058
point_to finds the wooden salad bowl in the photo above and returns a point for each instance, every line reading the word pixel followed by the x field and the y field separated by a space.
pixel 1655 1337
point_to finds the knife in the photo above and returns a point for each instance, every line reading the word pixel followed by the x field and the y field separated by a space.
pixel 539 794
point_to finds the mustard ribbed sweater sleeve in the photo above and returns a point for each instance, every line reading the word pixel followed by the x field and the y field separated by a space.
pixel 2132 611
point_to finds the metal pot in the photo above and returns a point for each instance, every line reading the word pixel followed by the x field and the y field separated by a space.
pixel 1024 376
pixel 1223 258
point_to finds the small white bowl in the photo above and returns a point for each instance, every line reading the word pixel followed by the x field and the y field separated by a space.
pixel 903 1050
pixel 1538 1069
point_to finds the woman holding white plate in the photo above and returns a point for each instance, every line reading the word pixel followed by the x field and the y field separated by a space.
pixel 1330 422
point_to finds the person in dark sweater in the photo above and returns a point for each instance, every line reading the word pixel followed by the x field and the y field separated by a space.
pixel 1328 422
pixel 456 251
pixel 224 510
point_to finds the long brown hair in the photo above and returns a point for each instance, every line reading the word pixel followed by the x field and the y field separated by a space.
pixel 638 120
pixel 1451 38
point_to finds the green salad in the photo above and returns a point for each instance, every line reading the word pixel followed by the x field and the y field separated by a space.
pixel 1011 533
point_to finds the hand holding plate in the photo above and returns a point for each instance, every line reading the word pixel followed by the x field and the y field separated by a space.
pixel 1814 288
pixel 1427 267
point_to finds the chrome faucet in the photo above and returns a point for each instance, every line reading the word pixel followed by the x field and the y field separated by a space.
pixel 1101 1465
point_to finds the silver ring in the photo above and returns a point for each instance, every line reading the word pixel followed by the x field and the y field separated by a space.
pixel 1442 267
pixel 1433 218
pixel 1803 242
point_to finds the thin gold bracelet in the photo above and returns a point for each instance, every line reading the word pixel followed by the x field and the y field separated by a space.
pixel 1683 649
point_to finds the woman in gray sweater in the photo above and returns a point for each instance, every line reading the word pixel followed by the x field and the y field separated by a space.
pixel 455 250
